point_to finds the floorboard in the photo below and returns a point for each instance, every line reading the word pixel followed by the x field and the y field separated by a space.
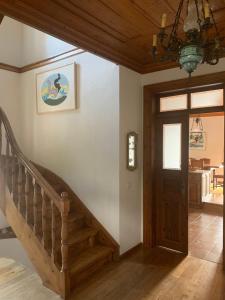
pixel 206 235
pixel 19 283
pixel 156 274
pixel 143 275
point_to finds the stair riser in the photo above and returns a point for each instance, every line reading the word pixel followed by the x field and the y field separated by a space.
pixel 75 250
pixel 78 224
pixel 87 273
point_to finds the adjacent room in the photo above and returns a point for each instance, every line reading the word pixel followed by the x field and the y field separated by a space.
pixel 206 185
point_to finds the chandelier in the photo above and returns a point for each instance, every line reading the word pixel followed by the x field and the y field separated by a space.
pixel 197 125
pixel 199 42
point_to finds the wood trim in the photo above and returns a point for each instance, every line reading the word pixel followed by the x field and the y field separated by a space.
pixel 187 83
pixel 211 114
pixel 42 63
pixel 51 60
pixel 155 67
pixel 150 103
pixel 131 251
pixel 1 18
pixel 9 68
pixel 148 168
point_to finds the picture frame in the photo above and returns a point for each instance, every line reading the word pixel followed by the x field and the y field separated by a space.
pixel 56 89
pixel 197 140
pixel 132 150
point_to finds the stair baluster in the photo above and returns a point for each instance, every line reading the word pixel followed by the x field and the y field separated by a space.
pixel 35 207
pixel 0 137
pixel 27 191
pixel 64 233
pixel 7 160
pixel 44 221
pixel 53 230
pixel 19 187
pixel 65 209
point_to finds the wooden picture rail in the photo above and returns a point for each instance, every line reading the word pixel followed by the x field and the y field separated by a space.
pixel 42 63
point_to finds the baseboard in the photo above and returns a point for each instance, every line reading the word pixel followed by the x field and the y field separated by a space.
pixel 131 251
pixel 213 208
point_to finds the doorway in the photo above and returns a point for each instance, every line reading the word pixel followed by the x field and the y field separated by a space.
pixel 206 184
pixel 168 203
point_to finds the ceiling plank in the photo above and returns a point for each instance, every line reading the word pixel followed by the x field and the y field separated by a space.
pixel 120 31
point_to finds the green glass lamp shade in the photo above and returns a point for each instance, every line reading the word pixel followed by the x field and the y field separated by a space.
pixel 190 57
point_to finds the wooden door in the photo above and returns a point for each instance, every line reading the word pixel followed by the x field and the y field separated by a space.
pixel 171 191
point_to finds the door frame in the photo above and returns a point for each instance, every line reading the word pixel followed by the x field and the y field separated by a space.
pixel 150 98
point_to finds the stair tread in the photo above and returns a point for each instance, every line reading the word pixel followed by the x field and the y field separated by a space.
pixel 89 257
pixel 81 235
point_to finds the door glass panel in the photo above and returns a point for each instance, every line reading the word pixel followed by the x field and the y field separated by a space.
pixel 207 99
pixel 172 146
pixel 178 102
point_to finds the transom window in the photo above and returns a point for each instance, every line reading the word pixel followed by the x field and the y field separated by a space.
pixel 211 98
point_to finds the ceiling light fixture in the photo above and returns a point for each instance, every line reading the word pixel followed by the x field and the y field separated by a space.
pixel 200 42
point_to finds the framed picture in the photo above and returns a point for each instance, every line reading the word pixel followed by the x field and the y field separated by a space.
pixel 56 89
pixel 132 151
pixel 197 140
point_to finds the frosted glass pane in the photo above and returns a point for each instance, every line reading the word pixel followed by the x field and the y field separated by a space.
pixel 172 146
pixel 207 99
pixel 178 102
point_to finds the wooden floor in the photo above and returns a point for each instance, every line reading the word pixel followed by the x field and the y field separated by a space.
pixel 144 275
pixel 206 234
pixel 157 274
pixel 19 283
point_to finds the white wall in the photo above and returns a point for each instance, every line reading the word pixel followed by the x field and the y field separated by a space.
pixel 22 45
pixel 10 99
pixel 3 221
pixel 12 248
pixel 37 45
pixel 81 146
pixel 214 129
pixel 130 181
pixel 11 42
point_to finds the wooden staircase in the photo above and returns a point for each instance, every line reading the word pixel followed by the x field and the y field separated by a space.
pixel 63 239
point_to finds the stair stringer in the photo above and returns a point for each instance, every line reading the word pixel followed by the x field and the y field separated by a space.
pixel 104 237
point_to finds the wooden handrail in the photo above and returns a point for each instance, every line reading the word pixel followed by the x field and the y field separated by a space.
pixel 32 194
pixel 32 170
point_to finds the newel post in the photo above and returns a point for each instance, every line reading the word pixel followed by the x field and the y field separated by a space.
pixel 65 209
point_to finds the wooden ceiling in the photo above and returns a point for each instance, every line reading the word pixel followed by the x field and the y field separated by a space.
pixel 119 30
